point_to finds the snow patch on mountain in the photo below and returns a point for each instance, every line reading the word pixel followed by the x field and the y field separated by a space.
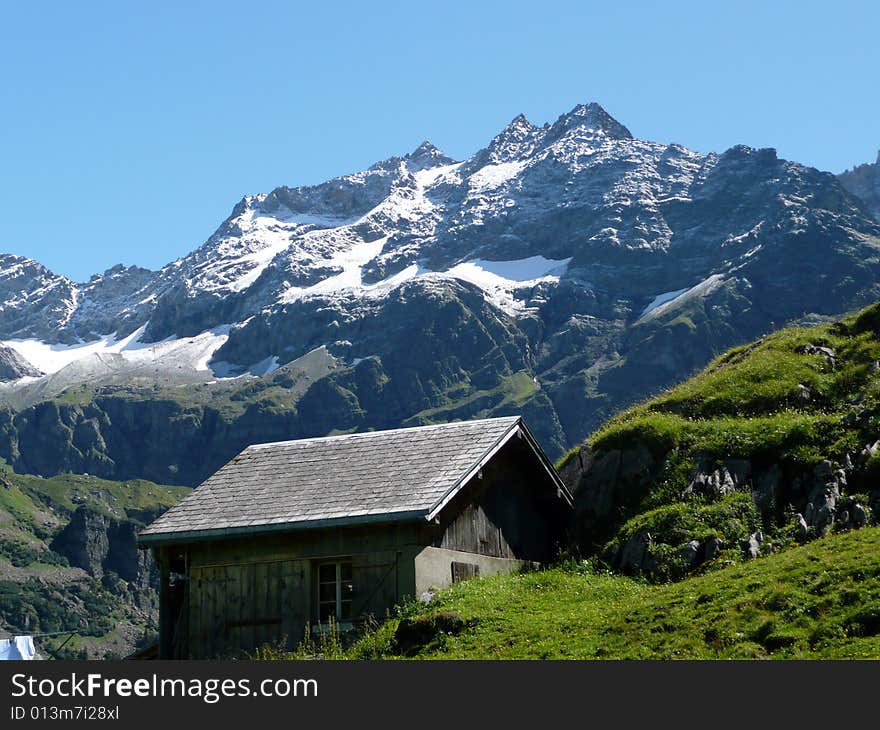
pixel 499 280
pixel 662 299
pixel 192 353
pixel 262 237
pixel 703 289
pixel 351 261
pixel 520 271
pixel 494 176
pixel 52 358
pixel 434 175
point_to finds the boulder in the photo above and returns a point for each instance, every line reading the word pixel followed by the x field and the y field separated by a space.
pixel 826 352
pixel 689 555
pixel 635 462
pixel 573 468
pixel 859 515
pixel 596 494
pixel 868 452
pixel 634 556
pixel 823 469
pixel 823 501
pixel 731 476
pixel 714 545
pixel 825 517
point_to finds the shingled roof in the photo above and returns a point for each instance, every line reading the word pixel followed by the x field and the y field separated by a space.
pixel 407 473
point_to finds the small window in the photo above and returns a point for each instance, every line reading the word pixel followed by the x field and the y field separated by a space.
pixel 334 591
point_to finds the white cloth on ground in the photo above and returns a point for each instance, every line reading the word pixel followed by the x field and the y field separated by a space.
pixel 21 647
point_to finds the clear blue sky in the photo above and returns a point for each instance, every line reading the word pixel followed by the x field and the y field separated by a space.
pixel 130 129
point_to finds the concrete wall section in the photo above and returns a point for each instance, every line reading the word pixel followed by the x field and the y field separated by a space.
pixel 434 566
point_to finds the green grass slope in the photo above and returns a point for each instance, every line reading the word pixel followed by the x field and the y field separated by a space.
pixel 820 600
pixel 783 418
pixel 42 592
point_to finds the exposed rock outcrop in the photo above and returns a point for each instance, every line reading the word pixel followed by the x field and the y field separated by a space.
pixel 13 366
pixel 863 181
pixel 608 486
pixel 107 550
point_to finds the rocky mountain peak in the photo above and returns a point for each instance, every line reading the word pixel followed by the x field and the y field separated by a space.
pixel 426 156
pixel 520 122
pixel 517 140
pixel 12 264
pixel 121 271
pixel 34 301
pixel 589 116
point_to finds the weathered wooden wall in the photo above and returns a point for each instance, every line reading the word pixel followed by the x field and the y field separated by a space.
pixel 246 592
pixel 511 512
pixel 233 609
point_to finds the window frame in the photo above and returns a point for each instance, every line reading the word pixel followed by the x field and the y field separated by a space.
pixel 339 600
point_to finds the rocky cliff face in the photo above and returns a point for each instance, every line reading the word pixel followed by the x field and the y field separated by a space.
pixel 106 549
pixel 565 270
pixel 863 181
pixel 14 367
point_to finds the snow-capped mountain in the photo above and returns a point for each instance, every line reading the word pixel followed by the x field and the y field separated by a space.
pixel 564 270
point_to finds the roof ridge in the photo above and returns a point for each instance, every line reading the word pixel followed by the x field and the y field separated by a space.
pixel 385 431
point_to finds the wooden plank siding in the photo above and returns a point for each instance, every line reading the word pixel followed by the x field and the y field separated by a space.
pixel 375 579
pixel 235 608
pixel 501 514
pixel 475 532
pixel 244 593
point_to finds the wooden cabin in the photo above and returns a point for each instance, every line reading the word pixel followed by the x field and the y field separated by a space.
pixel 288 535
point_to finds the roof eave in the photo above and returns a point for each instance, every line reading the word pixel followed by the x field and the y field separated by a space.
pixel 190 536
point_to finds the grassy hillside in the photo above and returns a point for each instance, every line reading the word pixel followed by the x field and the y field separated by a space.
pixel 768 399
pixel 33 508
pixel 94 583
pixel 821 600
pixel 771 432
